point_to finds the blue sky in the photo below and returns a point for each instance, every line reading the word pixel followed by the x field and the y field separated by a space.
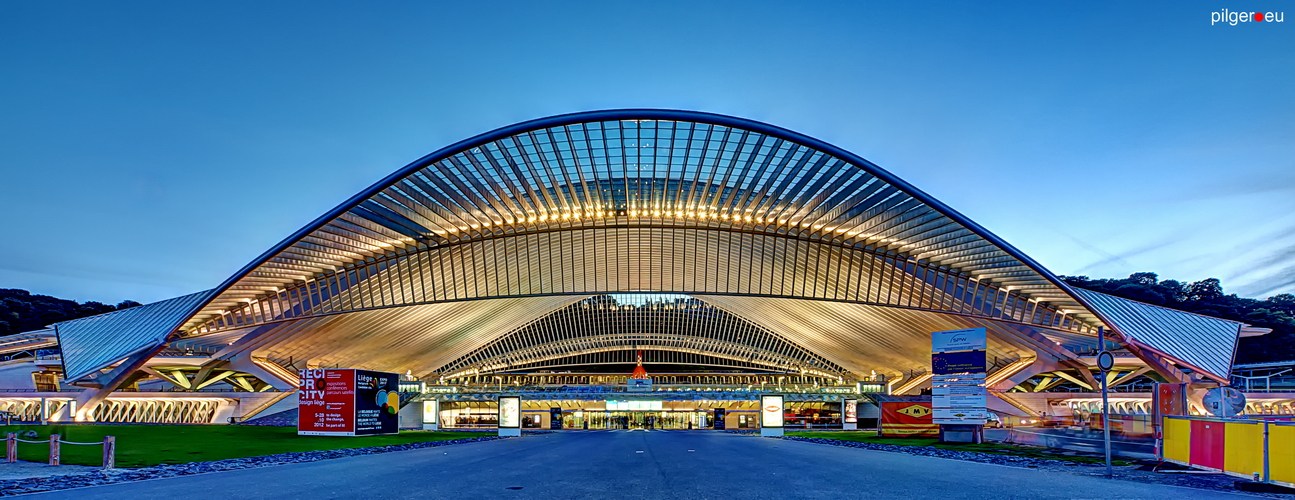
pixel 153 149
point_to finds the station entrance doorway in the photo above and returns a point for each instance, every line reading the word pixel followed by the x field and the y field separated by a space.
pixel 632 419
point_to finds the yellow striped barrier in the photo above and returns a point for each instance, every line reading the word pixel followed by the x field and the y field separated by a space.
pixel 1262 450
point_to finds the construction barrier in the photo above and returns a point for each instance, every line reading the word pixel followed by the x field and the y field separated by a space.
pixel 55 455
pixel 1254 449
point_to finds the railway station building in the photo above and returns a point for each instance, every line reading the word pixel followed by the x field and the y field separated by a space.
pixel 721 257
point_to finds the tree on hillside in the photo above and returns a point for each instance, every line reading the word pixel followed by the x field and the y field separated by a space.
pixel 22 311
pixel 1207 297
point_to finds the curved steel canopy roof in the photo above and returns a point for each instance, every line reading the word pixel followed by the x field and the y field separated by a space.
pixel 637 200
pixel 639 166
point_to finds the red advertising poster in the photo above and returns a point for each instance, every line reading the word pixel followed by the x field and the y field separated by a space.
pixel 326 402
pixel 907 419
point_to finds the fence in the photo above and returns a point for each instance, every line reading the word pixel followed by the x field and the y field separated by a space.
pixel 55 443
pixel 1262 450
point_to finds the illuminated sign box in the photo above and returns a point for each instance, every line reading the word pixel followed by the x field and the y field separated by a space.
pixel 431 412
pixel 634 406
pixel 970 339
pixel 771 411
pixel 347 402
pixel 510 412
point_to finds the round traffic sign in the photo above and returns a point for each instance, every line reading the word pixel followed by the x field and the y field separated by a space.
pixel 1105 360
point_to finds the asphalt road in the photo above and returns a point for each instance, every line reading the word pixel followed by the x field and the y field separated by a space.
pixel 637 464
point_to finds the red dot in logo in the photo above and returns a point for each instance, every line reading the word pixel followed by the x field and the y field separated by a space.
pixel 1258 17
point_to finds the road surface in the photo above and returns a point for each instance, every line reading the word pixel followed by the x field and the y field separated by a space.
pixel 637 464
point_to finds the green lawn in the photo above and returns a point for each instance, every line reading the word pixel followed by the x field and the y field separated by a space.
pixel 994 448
pixel 144 445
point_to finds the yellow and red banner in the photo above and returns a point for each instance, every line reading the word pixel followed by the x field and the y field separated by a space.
pixel 907 419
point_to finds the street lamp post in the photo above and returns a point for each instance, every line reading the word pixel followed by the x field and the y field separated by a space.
pixel 1105 361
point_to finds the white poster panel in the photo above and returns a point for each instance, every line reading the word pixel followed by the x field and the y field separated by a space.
pixel 510 412
pixel 977 378
pixel 959 390
pixel 957 416
pixel 771 411
pixel 967 401
pixel 851 411
pixel 969 339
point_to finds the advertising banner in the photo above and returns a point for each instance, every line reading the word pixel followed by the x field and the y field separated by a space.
pixel 945 363
pixel 771 411
pixel 970 339
pixel 510 412
pixel 719 419
pixel 850 411
pixel 326 402
pixel 907 419
pixel 377 403
pixel 555 418
pixel 347 402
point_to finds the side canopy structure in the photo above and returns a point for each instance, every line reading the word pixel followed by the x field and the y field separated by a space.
pixel 845 264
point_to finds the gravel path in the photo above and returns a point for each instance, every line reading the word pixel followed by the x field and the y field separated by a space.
pixel 25 470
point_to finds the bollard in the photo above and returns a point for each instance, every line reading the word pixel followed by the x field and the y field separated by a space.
pixel 53 449
pixel 109 452
pixel 11 448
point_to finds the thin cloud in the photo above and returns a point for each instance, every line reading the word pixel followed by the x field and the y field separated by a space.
pixel 1122 258
pixel 1246 186
pixel 1282 281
